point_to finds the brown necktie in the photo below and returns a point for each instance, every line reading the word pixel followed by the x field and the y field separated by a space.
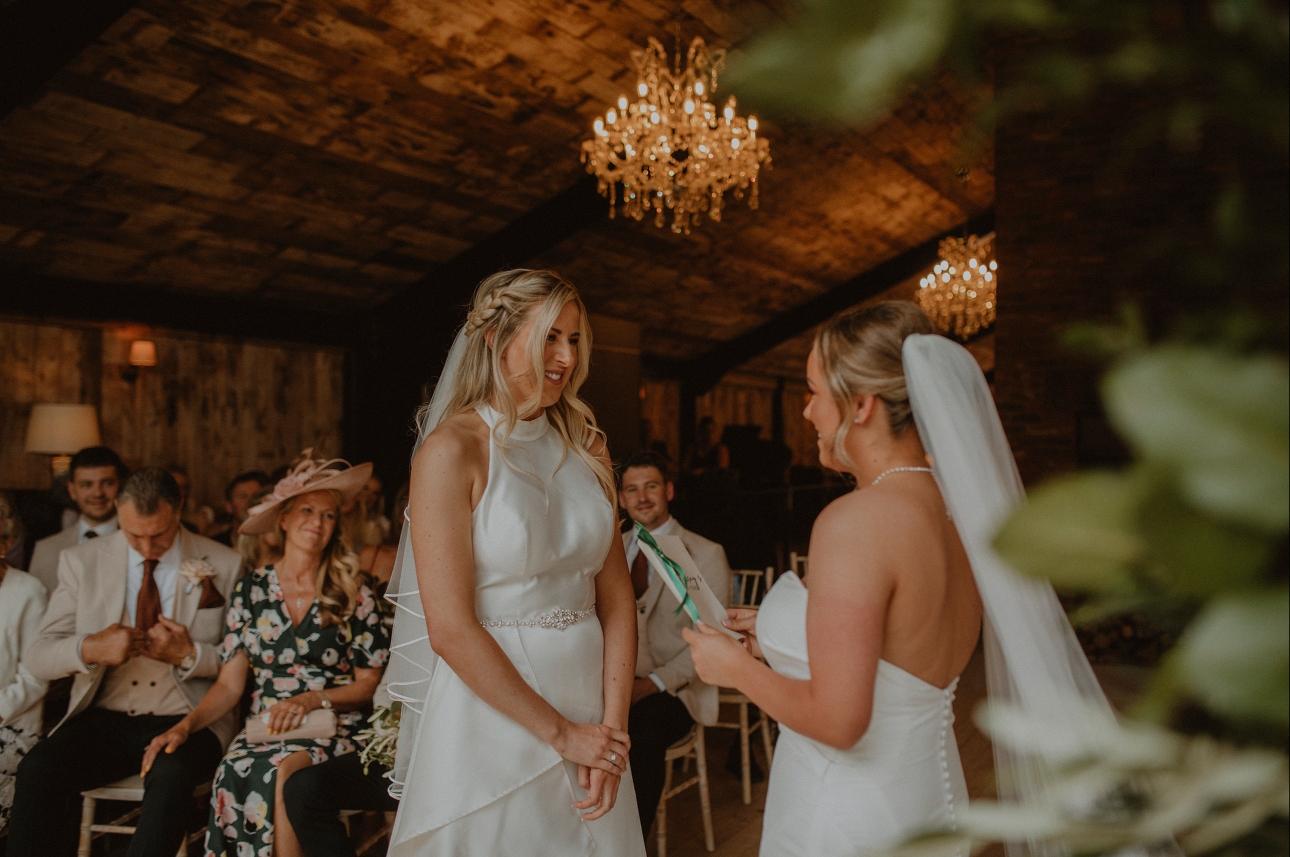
pixel 640 573
pixel 148 608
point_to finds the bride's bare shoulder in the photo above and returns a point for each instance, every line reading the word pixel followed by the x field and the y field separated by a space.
pixel 861 514
pixel 460 439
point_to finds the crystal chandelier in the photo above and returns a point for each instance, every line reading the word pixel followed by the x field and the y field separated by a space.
pixel 671 148
pixel 960 292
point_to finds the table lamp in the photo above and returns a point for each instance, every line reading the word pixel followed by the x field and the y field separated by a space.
pixel 60 431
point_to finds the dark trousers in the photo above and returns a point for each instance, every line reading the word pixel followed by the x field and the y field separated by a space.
pixel 93 749
pixel 314 797
pixel 655 723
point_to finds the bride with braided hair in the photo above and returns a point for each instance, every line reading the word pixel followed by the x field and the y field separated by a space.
pixel 515 632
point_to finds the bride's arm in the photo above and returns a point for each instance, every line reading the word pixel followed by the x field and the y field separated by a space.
pixel 616 610
pixel 448 473
pixel 845 627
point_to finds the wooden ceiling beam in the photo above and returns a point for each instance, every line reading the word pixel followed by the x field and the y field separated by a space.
pixel 450 285
pixel 702 372
pixel 38 296
pixel 39 37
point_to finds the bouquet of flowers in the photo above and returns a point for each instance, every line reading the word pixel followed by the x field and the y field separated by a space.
pixel 380 739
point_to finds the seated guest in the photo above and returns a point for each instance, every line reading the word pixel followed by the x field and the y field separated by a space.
pixel 93 481
pixel 308 629
pixel 22 604
pixel 136 618
pixel 259 549
pixel 378 560
pixel 363 519
pixel 315 796
pixel 667 697
pixel 237 499
pixel 185 486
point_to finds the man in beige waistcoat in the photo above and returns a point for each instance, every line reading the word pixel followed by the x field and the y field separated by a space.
pixel 136 619
pixel 667 698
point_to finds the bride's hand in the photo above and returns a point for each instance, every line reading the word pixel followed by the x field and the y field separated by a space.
pixel 717 657
pixel 602 792
pixel 594 745
pixel 744 620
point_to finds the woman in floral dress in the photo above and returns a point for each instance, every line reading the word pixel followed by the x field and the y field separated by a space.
pixel 309 631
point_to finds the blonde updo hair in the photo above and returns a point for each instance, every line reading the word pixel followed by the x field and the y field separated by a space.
pixel 860 355
pixel 501 305
pixel 339 576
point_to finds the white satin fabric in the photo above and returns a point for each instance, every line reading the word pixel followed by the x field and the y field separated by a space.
pixel 902 777
pixel 476 782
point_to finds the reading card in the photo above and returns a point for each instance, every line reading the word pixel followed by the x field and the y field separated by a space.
pixel 710 609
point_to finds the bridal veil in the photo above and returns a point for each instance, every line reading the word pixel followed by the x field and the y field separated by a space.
pixel 1033 660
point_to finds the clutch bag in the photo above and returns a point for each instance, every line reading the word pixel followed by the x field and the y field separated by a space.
pixel 318 724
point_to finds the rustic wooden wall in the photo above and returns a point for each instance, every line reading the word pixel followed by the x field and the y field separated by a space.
pixel 216 406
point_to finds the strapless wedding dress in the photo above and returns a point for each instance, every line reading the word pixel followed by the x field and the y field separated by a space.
pixel 479 784
pixel 902 777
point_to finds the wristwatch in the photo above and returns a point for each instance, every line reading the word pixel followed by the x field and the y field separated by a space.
pixel 326 703
pixel 190 660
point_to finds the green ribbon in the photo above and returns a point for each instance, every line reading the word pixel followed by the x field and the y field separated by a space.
pixel 674 571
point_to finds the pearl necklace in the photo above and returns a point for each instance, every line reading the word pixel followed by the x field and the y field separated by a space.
pixel 899 470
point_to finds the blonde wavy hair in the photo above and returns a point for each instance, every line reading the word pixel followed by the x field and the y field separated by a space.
pixel 339 576
pixel 860 355
pixel 501 305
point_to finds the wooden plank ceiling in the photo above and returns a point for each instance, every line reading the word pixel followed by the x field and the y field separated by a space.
pixel 331 153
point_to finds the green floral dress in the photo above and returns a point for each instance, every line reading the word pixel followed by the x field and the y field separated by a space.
pixel 285 661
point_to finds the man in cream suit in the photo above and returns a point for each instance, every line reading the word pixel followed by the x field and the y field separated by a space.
pixel 667 698
pixel 136 619
pixel 93 482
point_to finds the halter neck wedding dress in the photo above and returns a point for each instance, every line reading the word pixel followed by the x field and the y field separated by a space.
pixel 902 777
pixel 476 782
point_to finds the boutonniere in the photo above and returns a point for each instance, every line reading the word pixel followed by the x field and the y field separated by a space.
pixel 196 571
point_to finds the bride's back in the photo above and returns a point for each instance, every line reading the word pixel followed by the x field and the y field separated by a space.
pixel 902 531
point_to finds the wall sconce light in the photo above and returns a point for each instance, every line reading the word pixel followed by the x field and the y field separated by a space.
pixel 60 431
pixel 143 352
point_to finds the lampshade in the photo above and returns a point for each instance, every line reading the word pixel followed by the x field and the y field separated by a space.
pixel 62 429
pixel 143 352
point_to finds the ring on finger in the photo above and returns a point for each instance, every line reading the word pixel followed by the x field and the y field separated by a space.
pixel 613 757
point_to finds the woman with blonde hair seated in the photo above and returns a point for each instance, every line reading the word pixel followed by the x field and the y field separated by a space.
pixel 308 630
pixel 22 605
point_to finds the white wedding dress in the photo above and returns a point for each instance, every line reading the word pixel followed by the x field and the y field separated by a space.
pixel 902 777
pixel 477 783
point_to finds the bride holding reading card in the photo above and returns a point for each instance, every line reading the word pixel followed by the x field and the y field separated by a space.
pixel 863 664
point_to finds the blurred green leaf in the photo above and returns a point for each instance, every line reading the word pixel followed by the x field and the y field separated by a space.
pixel 1195 555
pixel 1079 532
pixel 1221 422
pixel 1235 658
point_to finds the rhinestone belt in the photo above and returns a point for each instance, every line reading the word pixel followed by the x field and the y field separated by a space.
pixel 559 619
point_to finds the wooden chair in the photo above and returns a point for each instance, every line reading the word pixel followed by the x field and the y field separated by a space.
pixel 747 585
pixel 690 747
pixel 128 789
pixel 387 824
pixel 799 563
pixel 745 595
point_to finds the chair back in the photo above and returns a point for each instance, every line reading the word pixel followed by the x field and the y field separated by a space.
pixel 799 563
pixel 749 585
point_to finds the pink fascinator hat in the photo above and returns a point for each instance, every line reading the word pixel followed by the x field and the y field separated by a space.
pixel 306 474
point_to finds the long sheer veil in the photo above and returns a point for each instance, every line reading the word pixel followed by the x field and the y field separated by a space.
pixel 1033 660
pixel 412 661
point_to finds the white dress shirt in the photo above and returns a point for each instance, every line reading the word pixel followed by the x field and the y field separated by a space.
pixel 165 574
pixel 107 528
pixel 668 528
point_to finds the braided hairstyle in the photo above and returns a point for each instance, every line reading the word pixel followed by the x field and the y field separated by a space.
pixel 501 306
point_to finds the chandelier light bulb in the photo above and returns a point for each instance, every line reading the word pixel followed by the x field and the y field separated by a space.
pixel 669 152
pixel 961 306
